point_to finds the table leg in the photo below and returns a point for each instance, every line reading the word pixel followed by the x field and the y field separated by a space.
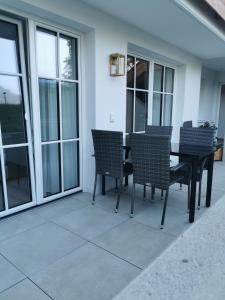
pixel 209 180
pixel 193 190
pixel 103 185
pixel 126 157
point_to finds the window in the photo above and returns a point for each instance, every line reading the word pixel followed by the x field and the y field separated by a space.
pixel 137 94
pixel 58 81
pixel 162 95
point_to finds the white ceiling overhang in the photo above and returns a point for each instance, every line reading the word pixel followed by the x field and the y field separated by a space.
pixel 170 21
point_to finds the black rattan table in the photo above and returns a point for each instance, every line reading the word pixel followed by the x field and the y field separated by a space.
pixel 194 154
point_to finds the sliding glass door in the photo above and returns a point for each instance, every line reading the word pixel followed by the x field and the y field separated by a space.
pixel 58 91
pixel 16 164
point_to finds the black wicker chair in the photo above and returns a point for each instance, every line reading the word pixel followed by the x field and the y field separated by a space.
pixel 109 158
pixel 196 137
pixel 187 124
pixel 157 130
pixel 151 165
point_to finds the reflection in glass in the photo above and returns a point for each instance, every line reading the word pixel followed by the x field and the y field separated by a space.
pixel 9 48
pixel 69 95
pixel 158 78
pixel 46 53
pixel 142 67
pixel 130 71
pixel 49 109
pixel 141 110
pixel 167 110
pixel 70 165
pixel 51 170
pixel 2 204
pixel 11 110
pixel 129 111
pixel 17 176
pixel 68 57
pixel 156 112
pixel 169 79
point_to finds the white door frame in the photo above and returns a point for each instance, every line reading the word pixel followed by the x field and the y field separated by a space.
pixel 28 144
pixel 36 110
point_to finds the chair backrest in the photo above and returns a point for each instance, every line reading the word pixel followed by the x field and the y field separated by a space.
pixel 108 150
pixel 197 136
pixel 159 130
pixel 151 159
pixel 187 124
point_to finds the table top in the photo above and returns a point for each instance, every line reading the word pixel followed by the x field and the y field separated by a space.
pixel 191 151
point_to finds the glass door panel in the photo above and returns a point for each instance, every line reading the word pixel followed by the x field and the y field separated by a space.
pixel 70 164
pixel 58 100
pixel 16 172
pixel 17 176
pixel 46 52
pixel 51 169
pixel 12 110
pixel 9 48
pixel 49 107
pixel 69 96
pixel 141 102
pixel 2 202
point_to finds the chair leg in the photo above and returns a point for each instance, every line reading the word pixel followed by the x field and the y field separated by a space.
pixel 199 194
pixel 95 183
pixel 181 186
pixel 162 194
pixel 132 202
pixel 144 192
pixel 164 209
pixel 116 184
pixel 118 195
pixel 152 193
pixel 189 195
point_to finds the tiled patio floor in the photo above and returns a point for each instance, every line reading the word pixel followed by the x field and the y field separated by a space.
pixel 69 249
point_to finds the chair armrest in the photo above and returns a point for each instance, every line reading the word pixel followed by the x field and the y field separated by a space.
pixel 179 166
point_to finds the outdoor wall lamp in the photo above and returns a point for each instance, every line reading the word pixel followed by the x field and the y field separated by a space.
pixel 117 64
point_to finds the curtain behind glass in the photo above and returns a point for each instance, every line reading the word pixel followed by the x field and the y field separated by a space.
pixel 49 109
pixel 51 169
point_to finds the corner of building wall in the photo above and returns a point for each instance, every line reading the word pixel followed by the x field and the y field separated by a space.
pixel 88 107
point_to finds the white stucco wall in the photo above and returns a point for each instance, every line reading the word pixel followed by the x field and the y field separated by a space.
pixel 104 95
pixel 209 96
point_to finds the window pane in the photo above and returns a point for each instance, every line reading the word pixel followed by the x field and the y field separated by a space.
pixel 158 78
pixel 68 57
pixel 169 79
pixel 129 111
pixel 167 113
pixel 70 165
pixel 51 169
pixel 69 92
pixel 130 71
pixel 46 53
pixel 2 204
pixel 49 109
pixel 11 110
pixel 141 74
pixel 9 61
pixel 17 176
pixel 141 111
pixel 156 111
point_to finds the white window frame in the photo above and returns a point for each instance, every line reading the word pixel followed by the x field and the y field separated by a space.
pixel 28 144
pixel 152 61
pixel 134 89
pixel 163 93
pixel 36 111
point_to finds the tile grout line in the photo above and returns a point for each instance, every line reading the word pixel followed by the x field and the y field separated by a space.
pixel 11 286
pixel 40 288
pixel 117 256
